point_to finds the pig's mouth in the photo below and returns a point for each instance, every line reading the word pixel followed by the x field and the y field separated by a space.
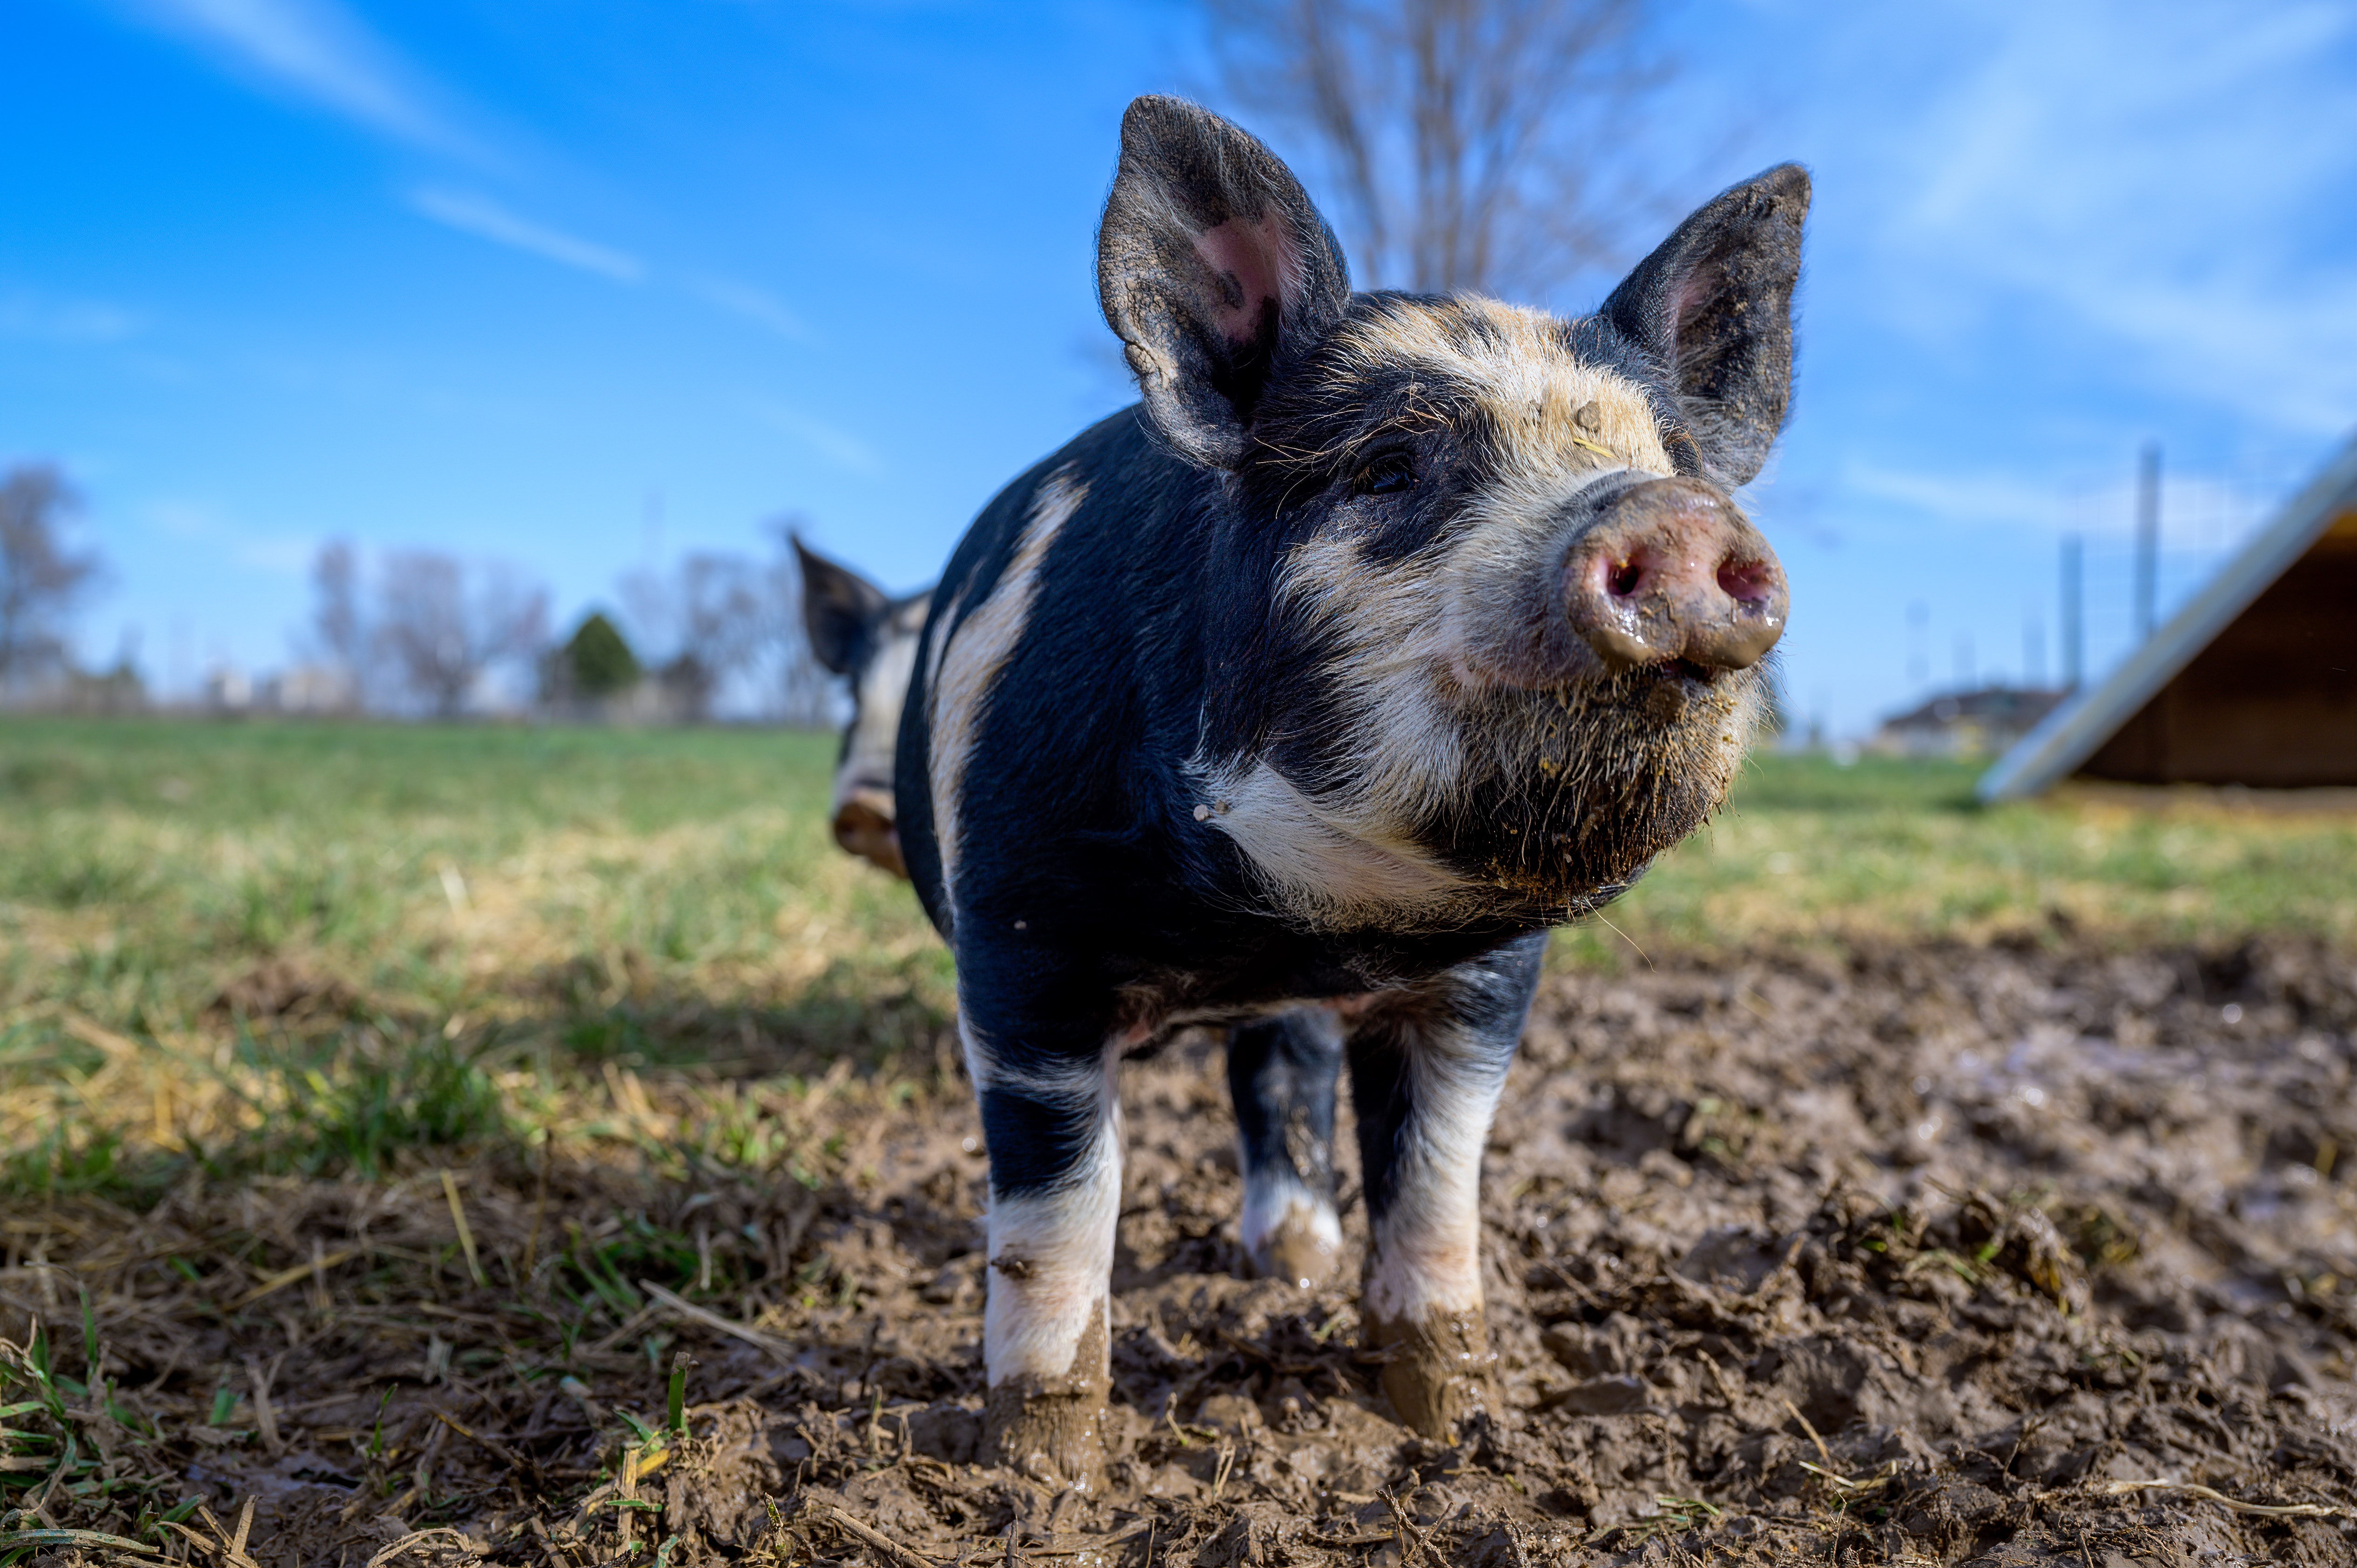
pixel 1571 792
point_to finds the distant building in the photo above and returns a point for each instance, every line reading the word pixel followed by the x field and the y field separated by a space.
pixel 308 688
pixel 229 690
pixel 2254 681
pixel 1964 724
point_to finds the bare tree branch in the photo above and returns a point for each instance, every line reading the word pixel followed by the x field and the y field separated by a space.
pixel 1481 145
pixel 337 633
pixel 712 613
pixel 439 638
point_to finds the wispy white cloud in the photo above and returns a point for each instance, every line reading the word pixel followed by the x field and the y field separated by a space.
pixel 2205 513
pixel 281 555
pixel 45 319
pixel 486 219
pixel 320 51
pixel 754 305
pixel 2175 180
pixel 837 447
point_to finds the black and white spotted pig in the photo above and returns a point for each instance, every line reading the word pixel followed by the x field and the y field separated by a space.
pixel 861 632
pixel 1301 698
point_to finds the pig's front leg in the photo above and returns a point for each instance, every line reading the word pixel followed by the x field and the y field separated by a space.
pixel 1281 1075
pixel 1426 1068
pixel 1051 1123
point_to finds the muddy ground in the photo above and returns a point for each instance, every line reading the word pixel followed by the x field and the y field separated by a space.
pixel 1941 1254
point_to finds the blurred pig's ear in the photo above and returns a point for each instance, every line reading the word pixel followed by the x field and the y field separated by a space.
pixel 1213 269
pixel 1714 308
pixel 841 609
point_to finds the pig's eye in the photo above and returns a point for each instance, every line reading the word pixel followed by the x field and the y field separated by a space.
pixel 1386 475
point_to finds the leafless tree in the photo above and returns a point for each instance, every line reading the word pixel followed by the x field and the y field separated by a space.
pixel 1485 145
pixel 439 638
pixel 337 629
pixel 41 580
pixel 712 613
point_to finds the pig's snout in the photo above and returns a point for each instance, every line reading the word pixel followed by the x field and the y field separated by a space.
pixel 1673 571
pixel 865 825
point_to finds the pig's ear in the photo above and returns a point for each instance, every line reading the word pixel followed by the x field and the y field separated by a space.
pixel 1714 306
pixel 840 610
pixel 1213 269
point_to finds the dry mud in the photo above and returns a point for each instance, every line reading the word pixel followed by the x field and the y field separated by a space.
pixel 1944 1254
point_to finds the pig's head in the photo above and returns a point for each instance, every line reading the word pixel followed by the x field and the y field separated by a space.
pixel 1497 628
pixel 859 631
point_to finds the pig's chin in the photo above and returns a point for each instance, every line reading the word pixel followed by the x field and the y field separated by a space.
pixel 1572 791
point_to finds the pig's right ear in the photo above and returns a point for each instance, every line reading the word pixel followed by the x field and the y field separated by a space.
pixel 840 611
pixel 1213 268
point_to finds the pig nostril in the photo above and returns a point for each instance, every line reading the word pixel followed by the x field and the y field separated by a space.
pixel 1746 582
pixel 1623 577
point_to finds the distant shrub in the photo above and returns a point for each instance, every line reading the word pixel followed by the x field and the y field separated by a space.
pixel 599 659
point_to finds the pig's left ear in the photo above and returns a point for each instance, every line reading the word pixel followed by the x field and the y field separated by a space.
pixel 1714 306
pixel 841 610
pixel 1213 269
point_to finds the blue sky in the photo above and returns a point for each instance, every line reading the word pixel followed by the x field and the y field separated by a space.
pixel 568 284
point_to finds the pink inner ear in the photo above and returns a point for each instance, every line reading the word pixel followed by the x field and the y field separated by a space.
pixel 1250 260
pixel 1696 291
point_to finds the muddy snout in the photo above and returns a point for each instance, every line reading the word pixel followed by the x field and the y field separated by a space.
pixel 864 826
pixel 1671 570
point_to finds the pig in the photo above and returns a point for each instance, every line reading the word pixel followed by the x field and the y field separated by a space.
pixel 859 631
pixel 1299 700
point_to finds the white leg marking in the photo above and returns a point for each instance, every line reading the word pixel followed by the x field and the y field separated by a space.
pixel 1272 1198
pixel 1429 1246
pixel 1051 1252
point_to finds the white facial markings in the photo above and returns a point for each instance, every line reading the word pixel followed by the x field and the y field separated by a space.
pixel 1401 654
pixel 1426 1248
pixel 968 655
pixel 876 734
pixel 1051 1252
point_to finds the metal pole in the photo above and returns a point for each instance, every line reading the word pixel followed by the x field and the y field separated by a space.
pixel 2074 625
pixel 2148 546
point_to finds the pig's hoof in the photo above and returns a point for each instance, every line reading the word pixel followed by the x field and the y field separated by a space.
pixel 1439 1370
pixel 1298 1251
pixel 1053 1435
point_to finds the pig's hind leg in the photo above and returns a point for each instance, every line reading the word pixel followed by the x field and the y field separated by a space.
pixel 1051 1122
pixel 1281 1074
pixel 1427 1069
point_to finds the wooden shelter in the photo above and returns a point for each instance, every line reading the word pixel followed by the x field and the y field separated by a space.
pixel 2254 681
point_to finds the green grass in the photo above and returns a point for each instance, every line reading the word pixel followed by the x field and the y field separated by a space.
pixel 320 949
pixel 1807 851
pixel 336 947
pixel 143 865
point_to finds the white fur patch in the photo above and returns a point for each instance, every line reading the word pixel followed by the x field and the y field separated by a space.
pixel 969 654
pixel 875 737
pixel 1273 1196
pixel 1328 866
pixel 1428 1248
pixel 1051 1253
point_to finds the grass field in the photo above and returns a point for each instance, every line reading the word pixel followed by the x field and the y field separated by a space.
pixel 267 991
pixel 311 947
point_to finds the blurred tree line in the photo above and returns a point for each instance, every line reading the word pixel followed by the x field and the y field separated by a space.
pixel 432 633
